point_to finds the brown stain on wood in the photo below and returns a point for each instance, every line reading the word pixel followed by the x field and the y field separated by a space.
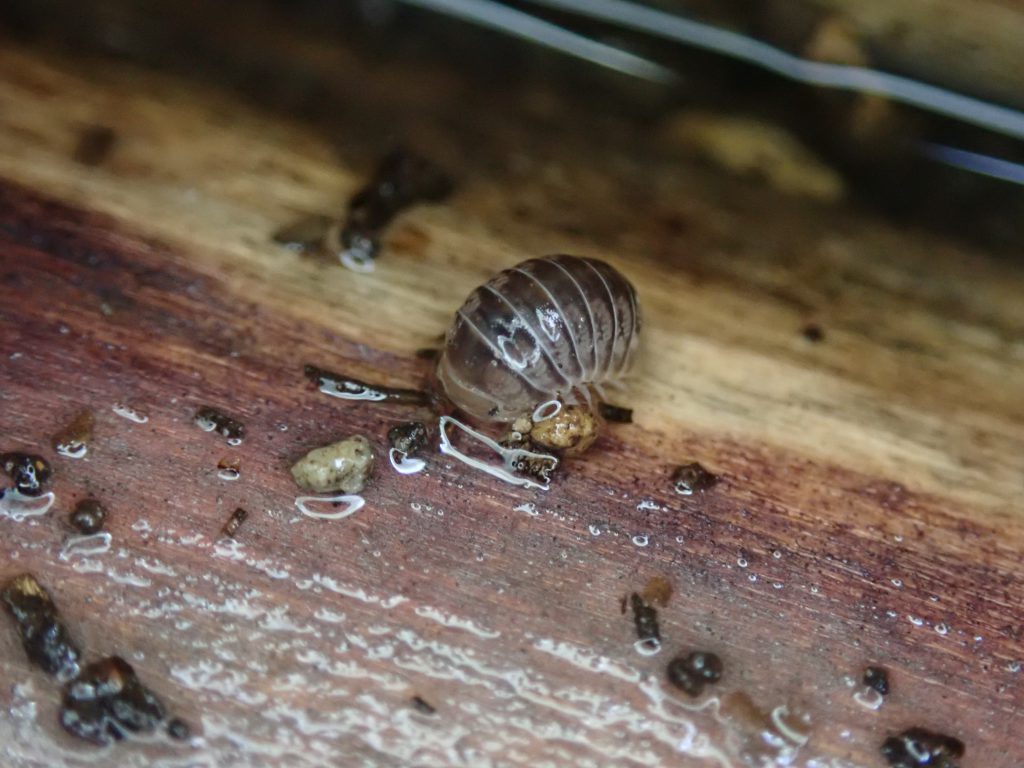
pixel 207 311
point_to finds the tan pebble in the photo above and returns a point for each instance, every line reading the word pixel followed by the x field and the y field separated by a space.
pixel 571 431
pixel 342 466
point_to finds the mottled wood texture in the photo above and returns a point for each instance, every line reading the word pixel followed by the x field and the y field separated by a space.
pixel 870 481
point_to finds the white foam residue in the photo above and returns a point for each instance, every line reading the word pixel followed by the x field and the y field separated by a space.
pixel 434 614
pixel 154 566
pixel 206 675
pixel 358 593
pixel 269 567
pixel 232 549
pixel 17 506
pixel 91 544
pixel 588 660
pixel 329 616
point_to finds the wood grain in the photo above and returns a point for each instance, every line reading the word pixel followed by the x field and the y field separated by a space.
pixel 869 481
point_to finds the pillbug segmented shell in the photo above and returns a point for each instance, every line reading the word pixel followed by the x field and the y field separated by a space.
pixel 557 326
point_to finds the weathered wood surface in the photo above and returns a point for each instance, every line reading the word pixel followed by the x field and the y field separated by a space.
pixel 871 482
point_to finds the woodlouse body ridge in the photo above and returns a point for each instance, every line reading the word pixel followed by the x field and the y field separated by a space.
pixel 552 327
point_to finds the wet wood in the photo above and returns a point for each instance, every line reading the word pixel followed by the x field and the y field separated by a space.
pixel 866 509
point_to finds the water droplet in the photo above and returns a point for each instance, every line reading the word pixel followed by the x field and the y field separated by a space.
pixel 17 506
pixel 942 629
pixel 641 539
pixel 131 414
pixel 869 699
pixel 742 562
pixel 777 554
pixel 649 646
pixel 228 473
pixel 915 621
pixel 403 465
pixel 352 505
pixel 595 530
pixel 897 582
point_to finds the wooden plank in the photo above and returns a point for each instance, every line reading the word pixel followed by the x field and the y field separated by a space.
pixel 881 464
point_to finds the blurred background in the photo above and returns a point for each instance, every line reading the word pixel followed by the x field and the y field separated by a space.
pixel 918 118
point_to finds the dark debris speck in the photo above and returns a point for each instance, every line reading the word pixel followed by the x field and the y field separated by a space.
pixel 692 672
pixel 422 706
pixel 88 516
pixel 43 635
pixel 645 617
pixel 920 748
pixel 107 701
pixel 877 678
pixel 408 437
pixel 692 478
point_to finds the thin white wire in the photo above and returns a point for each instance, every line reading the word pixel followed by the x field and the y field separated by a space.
pixel 984 165
pixel 710 38
pixel 487 13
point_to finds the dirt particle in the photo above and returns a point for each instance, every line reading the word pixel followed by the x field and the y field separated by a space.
pixel 178 729
pixel 402 179
pixel 422 706
pixel 645 618
pixel 209 419
pixel 28 472
pixel 88 516
pixel 305 236
pixel 94 145
pixel 813 333
pixel 234 523
pixel 46 640
pixel 408 437
pixel 570 431
pixel 657 591
pixel 692 478
pixel 73 439
pixel 107 702
pixel 691 673
pixel 877 678
pixel 919 747
pixel 615 413
pixel 341 466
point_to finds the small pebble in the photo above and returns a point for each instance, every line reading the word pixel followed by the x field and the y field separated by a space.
pixel 691 673
pixel 571 431
pixel 29 473
pixel 88 516
pixel 343 466
pixel 409 437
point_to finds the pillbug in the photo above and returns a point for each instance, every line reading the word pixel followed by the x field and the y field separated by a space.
pixel 557 327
